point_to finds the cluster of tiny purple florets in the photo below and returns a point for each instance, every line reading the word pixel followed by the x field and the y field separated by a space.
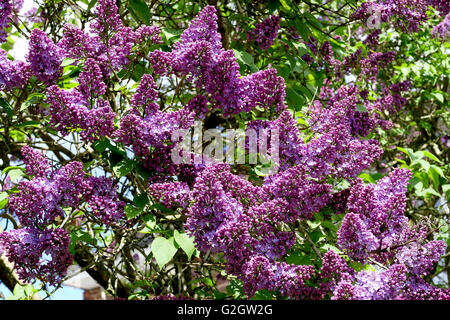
pixel 226 213
pixel 265 32
pixel 442 30
pixel 5 15
pixel 404 14
pixel 38 204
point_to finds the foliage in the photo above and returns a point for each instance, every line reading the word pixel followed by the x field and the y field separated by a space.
pixel 358 205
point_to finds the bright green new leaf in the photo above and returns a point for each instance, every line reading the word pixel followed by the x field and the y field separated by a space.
pixel 185 242
pixel 67 62
pixel 163 250
pixel 3 199
pixel 431 156
pixel 15 174
pixel 33 99
pixel 123 167
pixel 132 212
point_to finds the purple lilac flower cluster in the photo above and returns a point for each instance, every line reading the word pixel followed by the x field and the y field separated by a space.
pixel 13 74
pixel 5 14
pixel 265 32
pixel 232 216
pixel 69 110
pixel 199 55
pixel 171 193
pixel 406 14
pixel 104 50
pixel 37 254
pixel 33 16
pixel 150 127
pixel 289 280
pixel 336 147
pixel 102 200
pixel 44 57
pixel 442 30
pixel 226 213
pixel 375 229
pixel 38 204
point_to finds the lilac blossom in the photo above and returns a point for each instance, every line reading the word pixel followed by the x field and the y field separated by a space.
pixel 36 163
pixel 288 279
pixel 5 14
pixel 37 254
pixel 265 32
pixel 13 73
pixel 69 111
pixel 41 200
pixel 442 30
pixel 44 57
pixel 101 196
pixel 90 79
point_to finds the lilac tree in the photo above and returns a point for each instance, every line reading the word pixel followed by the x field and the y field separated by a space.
pixel 93 115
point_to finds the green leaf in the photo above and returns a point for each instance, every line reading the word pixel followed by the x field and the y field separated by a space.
pixel 15 174
pixel 434 176
pixel 431 191
pixel 431 156
pixel 28 124
pixel 3 199
pixel 294 99
pixel 330 225
pixel 163 250
pixel 19 291
pixel 103 144
pixel 368 267
pixel 446 189
pixel 141 10
pixel 170 33
pixel 140 200
pixel 67 62
pixel 313 224
pixel 316 235
pixel 418 155
pixel 85 237
pixel 29 290
pixel 298 258
pixel 273 5
pixel 5 105
pixel 423 163
pixel 313 20
pixel 132 212
pixel 69 85
pixel 301 48
pixel 361 108
pixel 33 99
pixel 185 242
pixel 262 294
pixel 367 177
pixel 123 167
pixel 91 5
pixel 303 29
pixel 438 170
pixel 245 58
pixel 328 247
pixel 438 96
pixel 259 171
pixel 150 221
pixel 3 195
pixel 285 5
